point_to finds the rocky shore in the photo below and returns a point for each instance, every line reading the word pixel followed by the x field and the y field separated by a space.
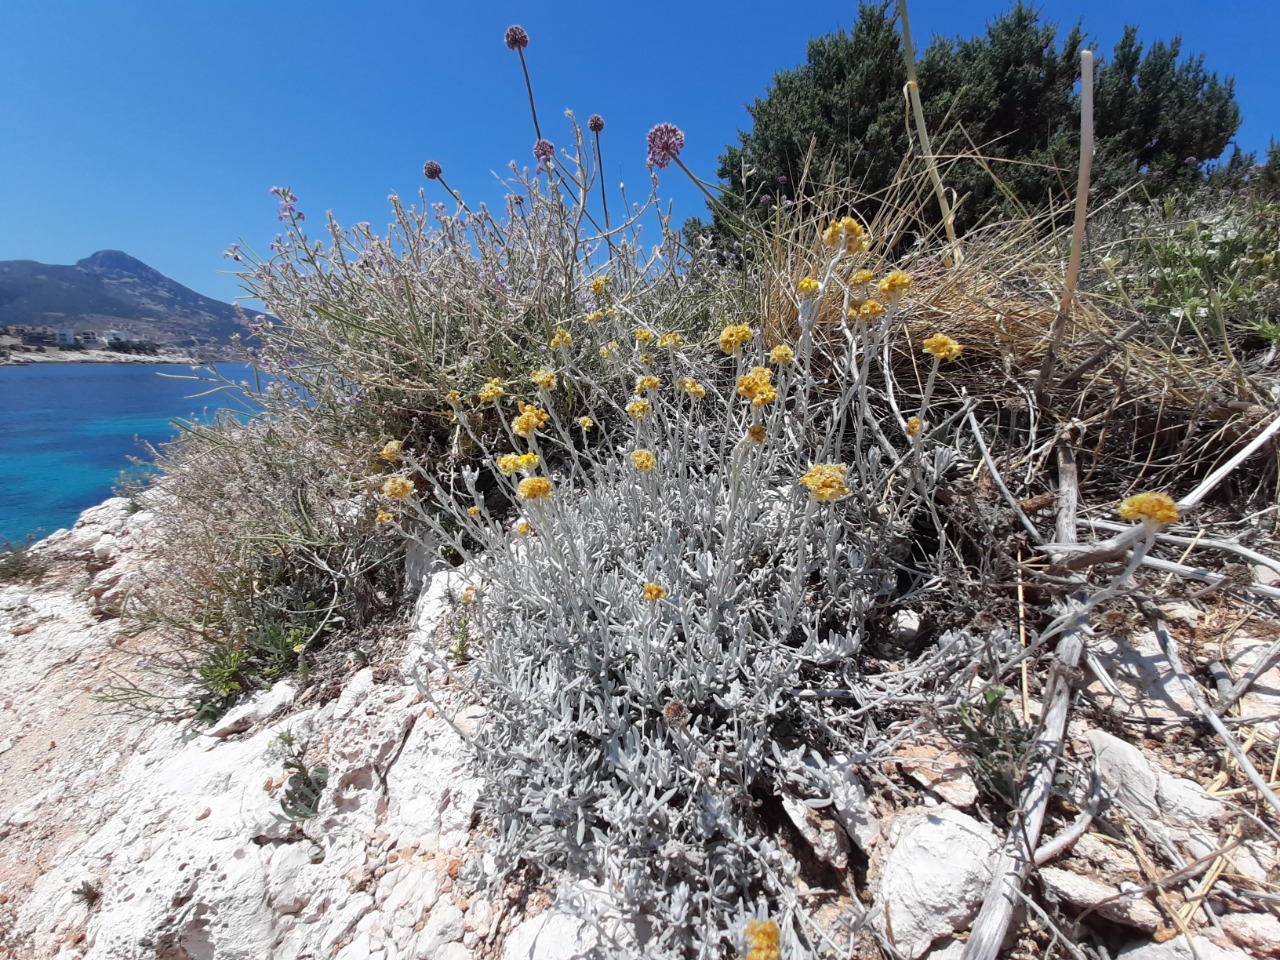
pixel 128 838
pixel 95 356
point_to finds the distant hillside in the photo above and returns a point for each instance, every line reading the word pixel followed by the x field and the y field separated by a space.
pixel 111 291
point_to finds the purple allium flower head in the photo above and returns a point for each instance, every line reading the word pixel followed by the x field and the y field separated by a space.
pixel 517 38
pixel 432 170
pixel 544 150
pixel 665 142
pixel 595 123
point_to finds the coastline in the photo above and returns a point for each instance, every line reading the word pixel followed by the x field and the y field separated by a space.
pixel 96 356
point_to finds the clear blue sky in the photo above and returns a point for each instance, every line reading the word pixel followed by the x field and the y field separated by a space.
pixel 158 128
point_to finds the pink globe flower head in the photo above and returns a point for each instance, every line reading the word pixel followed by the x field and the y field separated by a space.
pixel 544 150
pixel 665 143
pixel 595 123
pixel 517 37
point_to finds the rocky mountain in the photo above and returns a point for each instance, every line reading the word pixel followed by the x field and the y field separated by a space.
pixel 111 290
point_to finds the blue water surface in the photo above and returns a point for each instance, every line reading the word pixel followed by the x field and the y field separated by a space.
pixel 67 431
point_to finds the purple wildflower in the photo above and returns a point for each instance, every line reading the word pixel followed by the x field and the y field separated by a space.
pixel 665 143
pixel 517 38
pixel 595 123
pixel 544 150
pixel 232 253
pixel 432 170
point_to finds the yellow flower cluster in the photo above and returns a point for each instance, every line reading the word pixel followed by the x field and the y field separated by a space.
pixel 860 278
pixel 826 481
pixel 646 359
pixel 942 347
pixel 647 382
pixel 644 460
pixel 639 409
pixel 397 488
pixel 473 511
pixel 510 463
pixel 534 488
pixel 383 516
pixel 762 940
pixel 692 387
pixel 913 427
pixel 866 309
pixel 756 433
pixel 643 335
pixel 561 338
pixel 606 352
pixel 544 378
pixel 598 285
pixel 586 423
pixel 468 595
pixel 670 341
pixel 453 397
pixel 391 452
pixel 653 592
pixel 731 338
pixel 809 287
pixel 850 230
pixel 492 390
pixel 595 316
pixel 756 386
pixel 531 419
pixel 523 528
pixel 1154 508
pixel 895 285
pixel 781 355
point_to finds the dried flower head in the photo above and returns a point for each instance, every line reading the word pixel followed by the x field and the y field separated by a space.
pixel 665 143
pixel 595 123
pixel 517 38
pixel 561 338
pixel 871 310
pixel 692 387
pixel 895 285
pixel 826 481
pixel 756 433
pixel 762 940
pixel 530 420
pixel 543 378
pixel 913 427
pixel 809 287
pixel 492 390
pixel 453 397
pixel 646 359
pixel 646 383
pixel 1156 509
pixel 534 488
pixel 757 387
pixel 391 452
pixel 383 516
pixel 942 347
pixel 676 713
pixel 643 335
pixel 653 592
pixel 639 409
pixel 860 278
pixel 732 338
pixel 468 595
pixel 586 423
pixel 510 463
pixel 544 150
pixel 598 285
pixel 432 170
pixel 397 488
pixel 850 231
pixel 671 341
pixel 644 460
pixel 781 355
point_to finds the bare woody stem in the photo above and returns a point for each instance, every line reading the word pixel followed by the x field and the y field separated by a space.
pixel 600 173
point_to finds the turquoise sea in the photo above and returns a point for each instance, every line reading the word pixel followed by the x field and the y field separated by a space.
pixel 67 431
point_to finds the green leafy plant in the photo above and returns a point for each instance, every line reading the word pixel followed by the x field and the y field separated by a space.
pixel 305 784
pixel 998 743
pixel 19 563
